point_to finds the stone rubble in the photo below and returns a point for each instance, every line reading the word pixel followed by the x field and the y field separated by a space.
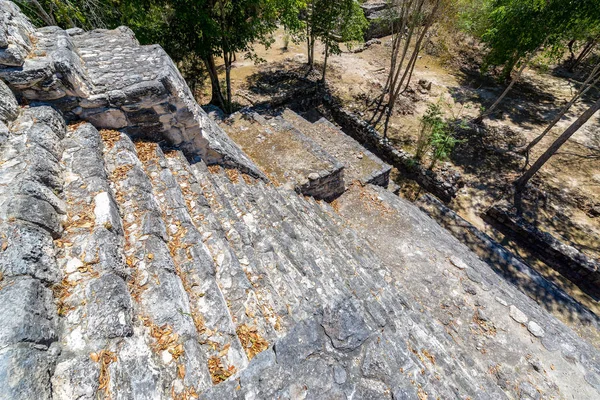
pixel 129 272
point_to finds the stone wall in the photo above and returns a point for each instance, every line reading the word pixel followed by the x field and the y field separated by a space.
pixel 505 263
pixel 444 185
pixel 105 77
pixel 570 262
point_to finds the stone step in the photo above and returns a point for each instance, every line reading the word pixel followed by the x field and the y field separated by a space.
pixel 260 250
pixel 236 233
pixel 195 265
pixel 286 155
pixel 31 208
pixel 93 299
pixel 294 243
pixel 165 349
pixel 257 317
pixel 359 163
pixel 283 264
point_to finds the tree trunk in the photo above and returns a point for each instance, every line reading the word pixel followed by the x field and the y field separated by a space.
pixel 44 16
pixel 591 80
pixel 217 94
pixel 325 61
pixel 522 181
pixel 589 46
pixel 489 112
pixel 228 59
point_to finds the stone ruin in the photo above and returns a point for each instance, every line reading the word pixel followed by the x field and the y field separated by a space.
pixel 144 255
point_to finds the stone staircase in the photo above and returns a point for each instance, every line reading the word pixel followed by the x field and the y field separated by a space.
pixel 317 160
pixel 287 155
pixel 163 278
pixel 132 269
pixel 128 272
pixel 360 165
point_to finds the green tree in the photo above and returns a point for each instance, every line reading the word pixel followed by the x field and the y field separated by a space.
pixel 337 21
pixel 518 29
pixel 207 29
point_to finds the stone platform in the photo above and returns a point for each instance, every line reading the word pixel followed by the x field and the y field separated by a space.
pixel 359 163
pixel 287 155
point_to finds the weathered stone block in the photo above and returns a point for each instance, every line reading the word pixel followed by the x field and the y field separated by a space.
pixel 27 313
pixel 25 373
pixel 8 104
pixel 29 251
pixel 36 211
pixel 109 308
pixel 76 378
pixel 345 326
pixel 105 118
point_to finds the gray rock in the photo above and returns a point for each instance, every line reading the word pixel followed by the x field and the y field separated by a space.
pixel 535 329
pixel 109 308
pixel 27 313
pixel 76 378
pixel 305 339
pixel 518 315
pixel 8 104
pixel 339 375
pixel 36 211
pixel 42 192
pixel 29 251
pixel 345 326
pixel 49 117
pixel 458 263
pixel 25 373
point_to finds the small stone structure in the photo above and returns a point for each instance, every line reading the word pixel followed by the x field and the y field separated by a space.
pixel 287 155
pixel 130 271
pixel 567 260
pixel 378 14
pixel 359 164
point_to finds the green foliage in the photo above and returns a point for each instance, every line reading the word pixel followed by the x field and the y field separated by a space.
pixel 519 27
pixel 335 22
pixel 472 16
pixel 435 135
pixel 87 14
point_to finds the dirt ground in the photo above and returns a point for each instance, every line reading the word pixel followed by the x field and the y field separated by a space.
pixel 569 183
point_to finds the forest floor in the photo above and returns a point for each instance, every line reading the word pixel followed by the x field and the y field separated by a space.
pixel 569 183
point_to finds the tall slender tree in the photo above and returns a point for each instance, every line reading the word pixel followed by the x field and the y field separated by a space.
pixel 410 21
pixel 519 29
pixel 521 183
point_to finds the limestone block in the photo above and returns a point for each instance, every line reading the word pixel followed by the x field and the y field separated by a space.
pixel 76 378
pixel 36 211
pixel 29 251
pixel 27 313
pixel 345 326
pixel 105 118
pixel 24 373
pixel 109 308
pixel 31 73
pixel 8 104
